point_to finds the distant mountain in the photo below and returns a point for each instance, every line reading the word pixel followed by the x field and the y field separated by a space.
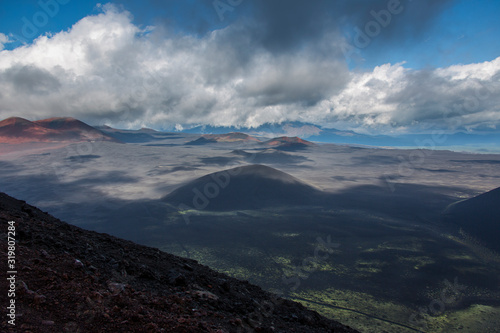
pixel 479 217
pixel 20 130
pixel 74 280
pixel 142 135
pixel 316 133
pixel 228 137
pixel 293 129
pixel 213 129
pixel 247 187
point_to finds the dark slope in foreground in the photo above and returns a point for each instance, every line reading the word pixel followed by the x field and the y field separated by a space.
pixel 73 280
pixel 479 217
pixel 246 187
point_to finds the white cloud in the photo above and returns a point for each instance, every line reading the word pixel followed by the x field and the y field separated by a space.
pixel 105 69
pixel 3 40
pixel 392 98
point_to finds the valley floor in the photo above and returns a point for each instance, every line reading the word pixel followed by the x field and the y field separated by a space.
pixel 378 257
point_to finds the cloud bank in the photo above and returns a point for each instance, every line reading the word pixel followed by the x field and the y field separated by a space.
pixel 107 70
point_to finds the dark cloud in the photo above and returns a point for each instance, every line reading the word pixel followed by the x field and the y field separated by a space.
pixel 285 25
pixel 298 80
pixel 290 24
pixel 423 97
pixel 30 80
pixel 415 18
pixel 230 53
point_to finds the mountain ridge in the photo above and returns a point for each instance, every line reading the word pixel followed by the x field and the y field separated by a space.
pixel 60 129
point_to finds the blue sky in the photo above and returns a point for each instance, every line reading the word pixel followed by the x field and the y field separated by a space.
pixel 183 15
pixel 465 32
pixel 319 62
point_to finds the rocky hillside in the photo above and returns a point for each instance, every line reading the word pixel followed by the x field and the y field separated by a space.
pixel 72 280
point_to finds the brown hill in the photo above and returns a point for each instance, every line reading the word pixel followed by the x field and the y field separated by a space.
pixel 72 280
pixel 228 137
pixel 20 130
pixel 286 142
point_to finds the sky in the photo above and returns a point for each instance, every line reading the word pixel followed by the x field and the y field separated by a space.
pixel 372 66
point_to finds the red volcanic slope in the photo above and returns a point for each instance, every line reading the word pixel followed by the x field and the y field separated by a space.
pixel 285 141
pixel 230 137
pixel 19 127
pixel 20 130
